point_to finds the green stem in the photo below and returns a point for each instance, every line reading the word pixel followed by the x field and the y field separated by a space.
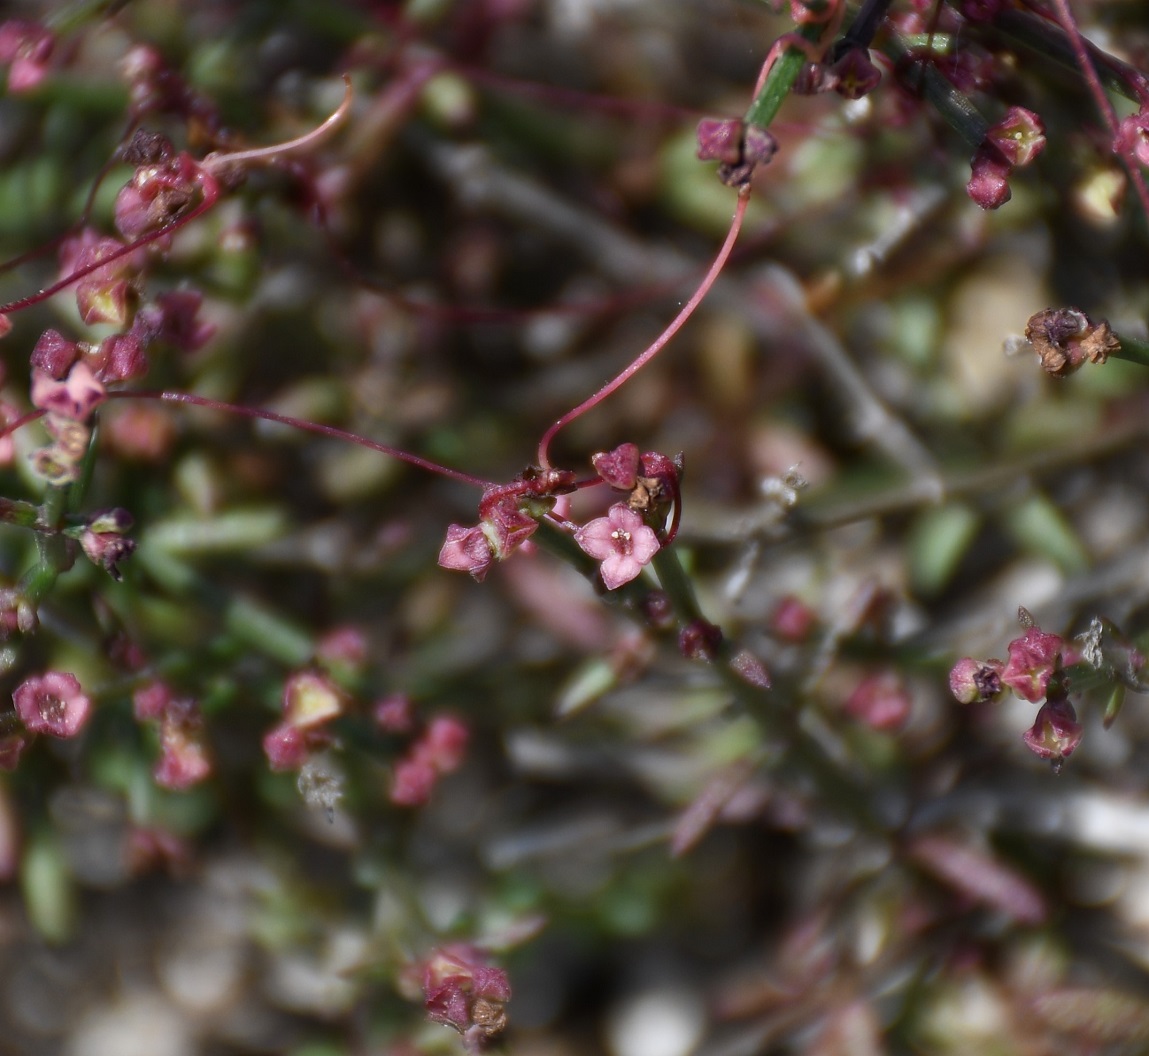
pixel 1132 350
pixel 958 112
pixel 781 79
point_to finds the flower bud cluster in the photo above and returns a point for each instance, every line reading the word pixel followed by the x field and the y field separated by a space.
pixel 1015 141
pixel 1042 668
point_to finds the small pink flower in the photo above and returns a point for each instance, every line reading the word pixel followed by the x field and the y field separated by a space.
pixel 621 542
pixel 75 398
pixel 1032 661
pixel 52 703
pixel 1019 135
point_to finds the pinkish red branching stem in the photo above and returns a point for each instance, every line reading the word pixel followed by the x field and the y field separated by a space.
pixel 297 423
pixel 1089 72
pixel 660 342
pixel 215 161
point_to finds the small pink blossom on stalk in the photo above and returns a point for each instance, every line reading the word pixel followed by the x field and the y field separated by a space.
pixel 621 541
pixel 52 703
pixel 1055 733
pixel 1032 660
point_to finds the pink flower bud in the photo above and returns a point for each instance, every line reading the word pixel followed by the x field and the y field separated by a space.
pixel 467 550
pixel 618 468
pixel 973 681
pixel 1055 733
pixel 54 354
pixel 989 180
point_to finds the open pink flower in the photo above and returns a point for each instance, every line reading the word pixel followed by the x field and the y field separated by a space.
pixel 74 398
pixel 52 703
pixel 621 542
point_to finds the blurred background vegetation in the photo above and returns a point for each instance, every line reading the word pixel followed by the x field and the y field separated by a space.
pixel 513 211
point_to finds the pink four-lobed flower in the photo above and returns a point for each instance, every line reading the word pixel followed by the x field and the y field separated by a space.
pixel 621 541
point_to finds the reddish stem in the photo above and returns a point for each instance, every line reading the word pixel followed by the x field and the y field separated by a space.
pixel 307 427
pixel 660 342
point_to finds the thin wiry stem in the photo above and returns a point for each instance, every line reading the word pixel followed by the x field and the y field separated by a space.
pixel 307 427
pixel 659 342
